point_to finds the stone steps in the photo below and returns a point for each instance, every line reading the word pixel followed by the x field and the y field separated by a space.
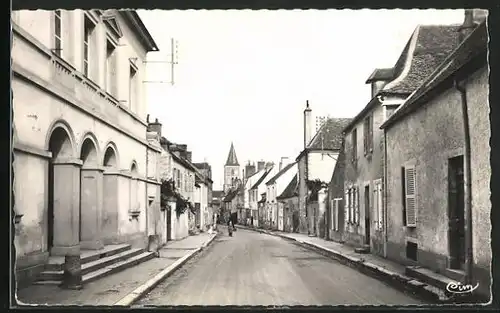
pixel 97 264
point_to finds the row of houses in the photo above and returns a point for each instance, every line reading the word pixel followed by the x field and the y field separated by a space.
pixel 88 164
pixel 407 178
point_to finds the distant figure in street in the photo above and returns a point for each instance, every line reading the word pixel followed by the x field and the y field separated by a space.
pixel 230 227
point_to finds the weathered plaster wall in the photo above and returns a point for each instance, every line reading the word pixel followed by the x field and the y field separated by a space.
pixel 427 139
pixel 362 172
pixel 336 190
pixel 302 193
pixel 321 165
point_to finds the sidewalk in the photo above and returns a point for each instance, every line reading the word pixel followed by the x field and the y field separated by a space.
pixel 369 264
pixel 122 285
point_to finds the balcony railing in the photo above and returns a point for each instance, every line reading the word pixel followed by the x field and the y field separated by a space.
pixel 84 89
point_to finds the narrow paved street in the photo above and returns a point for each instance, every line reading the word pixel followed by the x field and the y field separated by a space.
pixel 257 269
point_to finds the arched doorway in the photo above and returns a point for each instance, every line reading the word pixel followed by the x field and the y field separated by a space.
pixel 60 146
pixel 90 196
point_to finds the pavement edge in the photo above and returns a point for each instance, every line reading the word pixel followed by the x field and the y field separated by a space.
pixel 397 280
pixel 143 289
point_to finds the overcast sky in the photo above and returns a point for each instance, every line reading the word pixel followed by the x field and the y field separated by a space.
pixel 244 76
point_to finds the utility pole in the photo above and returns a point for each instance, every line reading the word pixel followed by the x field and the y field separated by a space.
pixel 174 45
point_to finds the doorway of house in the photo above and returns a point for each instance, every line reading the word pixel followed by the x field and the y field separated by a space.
pixel 456 229
pixel 50 207
pixel 169 223
pixel 367 215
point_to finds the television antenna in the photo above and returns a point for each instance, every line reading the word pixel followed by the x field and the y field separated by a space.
pixel 173 61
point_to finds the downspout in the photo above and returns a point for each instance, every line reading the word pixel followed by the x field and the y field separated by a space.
pixel 467 183
pixel 385 195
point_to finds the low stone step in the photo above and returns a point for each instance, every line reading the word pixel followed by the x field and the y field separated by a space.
pixel 117 267
pixel 108 270
pixel 57 263
pixel 365 249
pixel 93 265
pixel 427 276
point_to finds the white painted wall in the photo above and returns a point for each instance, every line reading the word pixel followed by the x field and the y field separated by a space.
pixel 321 166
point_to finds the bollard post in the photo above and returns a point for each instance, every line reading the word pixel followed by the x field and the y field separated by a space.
pixel 72 276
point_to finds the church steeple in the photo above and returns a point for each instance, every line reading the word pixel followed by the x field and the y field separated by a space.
pixel 231 169
pixel 232 160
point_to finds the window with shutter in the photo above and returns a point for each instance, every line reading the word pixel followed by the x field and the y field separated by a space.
pixel 380 207
pixel 375 205
pixel 351 205
pixel 337 214
pixel 356 201
pixel 410 188
pixel 332 215
pixel 346 207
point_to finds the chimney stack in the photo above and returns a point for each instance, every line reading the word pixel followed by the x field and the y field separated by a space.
pixel 189 154
pixel 472 17
pixel 283 162
pixel 154 127
pixel 307 125
pixel 261 165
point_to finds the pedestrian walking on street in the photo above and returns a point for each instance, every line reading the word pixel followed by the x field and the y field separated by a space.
pixel 230 227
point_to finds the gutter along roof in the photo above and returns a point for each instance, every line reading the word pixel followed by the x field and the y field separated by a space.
pixel 473 48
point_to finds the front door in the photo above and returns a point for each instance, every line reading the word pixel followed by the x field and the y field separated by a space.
pixel 456 237
pixel 367 214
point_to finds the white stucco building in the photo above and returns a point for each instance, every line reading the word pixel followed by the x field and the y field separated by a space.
pixel 82 176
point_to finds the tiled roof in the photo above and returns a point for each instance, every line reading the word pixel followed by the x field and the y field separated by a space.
pixel 383 74
pixel 428 46
pixel 183 162
pixel 232 160
pixel 291 190
pixel 283 170
pixel 329 136
pixel 261 179
pixel 473 46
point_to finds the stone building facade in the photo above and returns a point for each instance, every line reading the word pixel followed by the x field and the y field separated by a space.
pixel 82 179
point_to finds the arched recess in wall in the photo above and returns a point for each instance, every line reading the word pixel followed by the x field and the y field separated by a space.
pixel 110 158
pixel 60 142
pixel 89 150
pixel 89 190
pixel 134 168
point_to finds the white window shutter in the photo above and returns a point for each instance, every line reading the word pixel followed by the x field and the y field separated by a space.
pixel 332 214
pixel 410 188
pixel 356 207
pixel 375 206
pixel 347 217
pixel 380 207
pixel 337 215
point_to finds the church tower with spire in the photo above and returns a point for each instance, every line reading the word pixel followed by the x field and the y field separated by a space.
pixel 231 169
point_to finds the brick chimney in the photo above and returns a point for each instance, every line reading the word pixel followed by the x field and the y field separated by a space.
pixel 249 169
pixel 472 18
pixel 307 125
pixel 261 165
pixel 189 154
pixel 154 127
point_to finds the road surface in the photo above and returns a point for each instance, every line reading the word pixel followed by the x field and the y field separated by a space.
pixel 258 269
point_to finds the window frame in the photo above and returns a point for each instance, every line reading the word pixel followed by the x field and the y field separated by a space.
pixel 58 36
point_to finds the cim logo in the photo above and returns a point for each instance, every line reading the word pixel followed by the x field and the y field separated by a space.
pixel 458 287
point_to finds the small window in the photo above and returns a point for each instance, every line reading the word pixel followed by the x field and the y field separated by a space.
pixel 368 135
pixel 411 250
pixel 110 68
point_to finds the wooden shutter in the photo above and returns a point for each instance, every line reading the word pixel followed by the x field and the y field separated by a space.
pixel 375 205
pixel 370 133
pixel 356 207
pixel 410 188
pixel 347 209
pixel 332 215
pixel 337 215
pixel 380 207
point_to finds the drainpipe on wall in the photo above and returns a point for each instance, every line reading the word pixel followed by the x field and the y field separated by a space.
pixel 467 184
pixel 385 195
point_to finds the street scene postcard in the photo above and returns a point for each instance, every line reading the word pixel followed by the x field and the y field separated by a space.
pixel 250 157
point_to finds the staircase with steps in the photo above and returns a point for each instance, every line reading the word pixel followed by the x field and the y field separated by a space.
pixel 96 263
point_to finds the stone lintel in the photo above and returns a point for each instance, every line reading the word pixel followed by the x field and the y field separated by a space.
pixel 67 161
